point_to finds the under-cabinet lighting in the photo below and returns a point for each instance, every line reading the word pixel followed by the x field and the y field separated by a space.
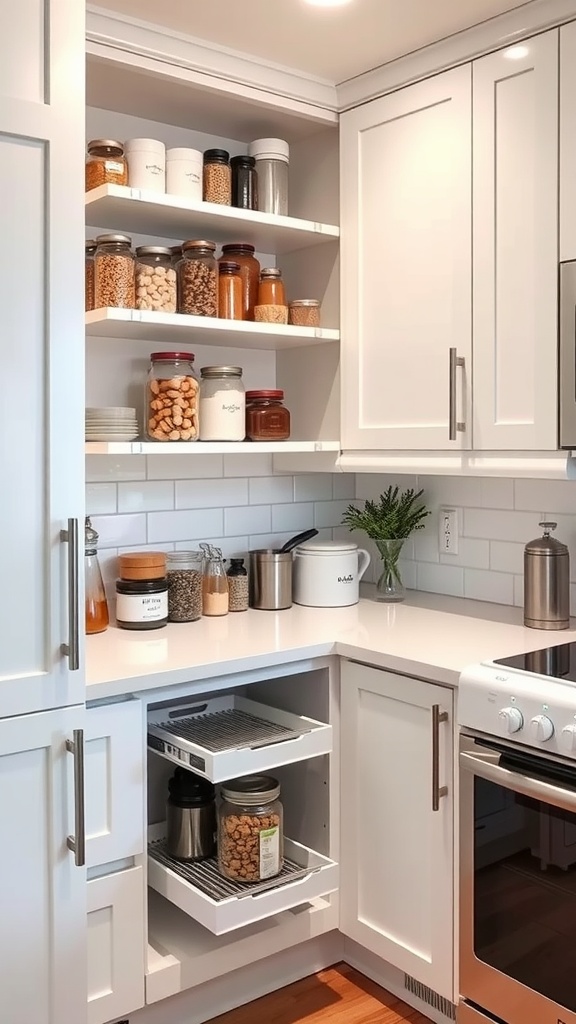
pixel 517 52
pixel 327 3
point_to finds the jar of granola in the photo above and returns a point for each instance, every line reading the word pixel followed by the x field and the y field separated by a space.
pixel 198 279
pixel 105 164
pixel 250 829
pixel 114 279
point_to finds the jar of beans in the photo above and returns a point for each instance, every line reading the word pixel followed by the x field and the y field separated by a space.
pixel 114 278
pixel 172 397
pixel 184 572
pixel 304 312
pixel 217 177
pixel 155 279
pixel 89 274
pixel 250 829
pixel 105 164
pixel 198 279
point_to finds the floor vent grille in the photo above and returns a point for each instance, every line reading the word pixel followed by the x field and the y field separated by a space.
pixel 430 997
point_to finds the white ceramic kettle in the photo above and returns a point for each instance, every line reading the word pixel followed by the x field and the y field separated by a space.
pixel 327 574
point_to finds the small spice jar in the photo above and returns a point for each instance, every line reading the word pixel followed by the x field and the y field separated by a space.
pixel 198 279
pixel 250 829
pixel 155 279
pixel 89 274
pixel 230 304
pixel 172 397
pixel 184 574
pixel 114 277
pixel 244 182
pixel 105 164
pixel 222 404
pixel 304 312
pixel 217 177
pixel 142 591
pixel 237 585
pixel 243 254
pixel 267 418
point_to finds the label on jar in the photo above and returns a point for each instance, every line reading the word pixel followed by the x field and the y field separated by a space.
pixel 141 607
pixel 114 166
pixel 269 852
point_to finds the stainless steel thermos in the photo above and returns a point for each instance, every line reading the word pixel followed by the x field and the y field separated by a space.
pixel 546 582
pixel 190 817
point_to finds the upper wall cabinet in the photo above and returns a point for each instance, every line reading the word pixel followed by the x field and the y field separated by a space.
pixel 515 256
pixel 568 142
pixel 406 251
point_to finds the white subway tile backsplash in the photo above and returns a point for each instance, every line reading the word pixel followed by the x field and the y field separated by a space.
pixel 426 545
pixel 535 495
pixel 240 522
pixel 248 465
pixel 372 485
pixel 565 532
pixel 472 554
pixel 231 547
pixel 191 466
pixel 175 526
pixel 148 496
pixel 329 513
pixel 115 467
pixel 344 486
pixel 483 585
pixel 440 579
pixel 270 490
pixel 211 493
pixel 519 591
pixel 293 518
pixel 120 531
pixel 507 557
pixel 100 499
pixel 313 487
pixel 495 525
pixel 467 491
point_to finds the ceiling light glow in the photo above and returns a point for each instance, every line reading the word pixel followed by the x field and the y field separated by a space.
pixel 517 52
pixel 327 3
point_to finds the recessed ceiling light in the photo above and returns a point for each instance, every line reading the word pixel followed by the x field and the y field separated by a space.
pixel 517 52
pixel 327 3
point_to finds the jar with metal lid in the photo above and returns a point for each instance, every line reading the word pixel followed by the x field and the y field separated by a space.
pixel 244 182
pixel 184 574
pixel 546 582
pixel 105 164
pixel 304 313
pixel 96 605
pixel 230 304
pixel 267 418
pixel 217 177
pixel 114 277
pixel 243 254
pixel 222 404
pixel 272 157
pixel 155 279
pixel 172 397
pixel 90 249
pixel 271 308
pixel 142 591
pixel 250 829
pixel 198 279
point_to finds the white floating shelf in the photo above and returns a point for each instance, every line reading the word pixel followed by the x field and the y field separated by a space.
pixel 179 328
pixel 207 447
pixel 166 216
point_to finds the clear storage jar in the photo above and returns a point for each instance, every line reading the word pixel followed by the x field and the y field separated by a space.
pixel 250 829
pixel 243 254
pixel 304 312
pixel 217 177
pixel 222 404
pixel 172 397
pixel 90 251
pixel 198 279
pixel 155 279
pixel 184 574
pixel 146 164
pixel 271 308
pixel 105 164
pixel 272 157
pixel 230 303
pixel 114 277
pixel 267 418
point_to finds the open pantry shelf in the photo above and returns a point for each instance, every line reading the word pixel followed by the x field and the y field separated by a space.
pixel 179 328
pixel 167 216
pixel 225 737
pixel 221 905
pixel 200 448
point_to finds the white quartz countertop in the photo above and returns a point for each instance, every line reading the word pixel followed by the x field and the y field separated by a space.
pixel 428 636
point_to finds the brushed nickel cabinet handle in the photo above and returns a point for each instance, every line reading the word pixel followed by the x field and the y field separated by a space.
pixel 454 424
pixel 77 842
pixel 72 648
pixel 438 791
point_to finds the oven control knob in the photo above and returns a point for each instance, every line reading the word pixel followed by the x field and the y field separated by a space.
pixel 511 718
pixel 568 738
pixel 542 728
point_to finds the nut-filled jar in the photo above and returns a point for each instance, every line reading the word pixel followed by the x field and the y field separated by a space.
pixel 267 418
pixel 217 177
pixel 222 404
pixel 155 279
pixel 184 574
pixel 172 397
pixel 243 254
pixel 114 277
pixel 89 274
pixel 250 829
pixel 142 591
pixel 304 312
pixel 105 164
pixel 230 301
pixel 244 182
pixel 198 279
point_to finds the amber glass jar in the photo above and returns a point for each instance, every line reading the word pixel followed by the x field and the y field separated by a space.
pixel 243 254
pixel 230 304
pixel 267 418
pixel 105 164
pixel 271 289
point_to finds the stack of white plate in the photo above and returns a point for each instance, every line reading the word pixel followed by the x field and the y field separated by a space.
pixel 114 423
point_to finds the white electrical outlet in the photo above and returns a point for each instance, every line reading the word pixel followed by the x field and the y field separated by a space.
pixel 448 527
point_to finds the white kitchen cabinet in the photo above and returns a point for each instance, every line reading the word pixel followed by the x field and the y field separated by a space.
pixel 406 250
pixel 116 946
pixel 515 282
pixel 42 891
pixel 567 142
pixel 397 862
pixel 41 451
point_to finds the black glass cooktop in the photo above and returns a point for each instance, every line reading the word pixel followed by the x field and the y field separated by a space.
pixel 559 662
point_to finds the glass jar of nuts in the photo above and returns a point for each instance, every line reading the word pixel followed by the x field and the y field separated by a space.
pixel 155 279
pixel 250 829
pixel 114 281
pixel 217 177
pixel 198 279
pixel 172 397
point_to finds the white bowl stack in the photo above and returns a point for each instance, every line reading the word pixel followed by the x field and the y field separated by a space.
pixel 112 423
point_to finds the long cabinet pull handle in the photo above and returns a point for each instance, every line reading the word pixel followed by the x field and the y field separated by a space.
pixel 72 648
pixel 77 842
pixel 454 424
pixel 438 791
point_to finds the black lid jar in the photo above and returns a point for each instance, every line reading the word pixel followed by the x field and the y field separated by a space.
pixel 190 817
pixel 217 177
pixel 142 604
pixel 244 182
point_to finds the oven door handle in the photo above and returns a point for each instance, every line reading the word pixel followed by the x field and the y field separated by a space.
pixel 486 768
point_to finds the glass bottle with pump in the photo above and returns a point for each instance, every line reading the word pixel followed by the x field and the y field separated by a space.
pixel 97 617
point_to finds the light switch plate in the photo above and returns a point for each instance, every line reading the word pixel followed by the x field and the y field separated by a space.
pixel 448 530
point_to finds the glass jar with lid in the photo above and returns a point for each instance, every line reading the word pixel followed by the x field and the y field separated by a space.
pixel 267 418
pixel 230 303
pixel 271 306
pixel 215 596
pixel 184 574
pixel 272 157
pixel 114 277
pixel 105 164
pixel 155 279
pixel 198 279
pixel 90 250
pixel 222 404
pixel 172 397
pixel 250 829
pixel 96 605
pixel 243 254
pixel 244 182
pixel 304 312
pixel 217 177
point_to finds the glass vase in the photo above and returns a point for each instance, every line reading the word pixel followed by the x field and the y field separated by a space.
pixel 390 586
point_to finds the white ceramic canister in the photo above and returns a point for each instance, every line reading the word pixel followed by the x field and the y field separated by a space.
pixel 327 574
pixel 184 173
pixel 146 164
pixel 222 405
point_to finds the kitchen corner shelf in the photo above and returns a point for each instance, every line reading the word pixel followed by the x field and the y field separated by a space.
pixel 200 448
pixel 167 216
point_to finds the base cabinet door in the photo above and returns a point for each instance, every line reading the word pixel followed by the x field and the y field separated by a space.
pixel 397 888
pixel 116 963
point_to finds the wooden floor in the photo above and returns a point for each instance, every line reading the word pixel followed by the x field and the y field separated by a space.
pixel 336 996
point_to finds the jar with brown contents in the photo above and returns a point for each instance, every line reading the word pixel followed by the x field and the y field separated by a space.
pixel 172 397
pixel 105 164
pixel 114 279
pixel 230 304
pixel 304 313
pixel 250 829
pixel 243 254
pixel 217 177
pixel 89 274
pixel 198 279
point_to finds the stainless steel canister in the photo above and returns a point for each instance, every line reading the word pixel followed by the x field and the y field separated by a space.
pixel 546 582
pixel 270 579
pixel 190 817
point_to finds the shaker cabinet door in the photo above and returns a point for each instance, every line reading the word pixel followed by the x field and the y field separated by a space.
pixel 406 250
